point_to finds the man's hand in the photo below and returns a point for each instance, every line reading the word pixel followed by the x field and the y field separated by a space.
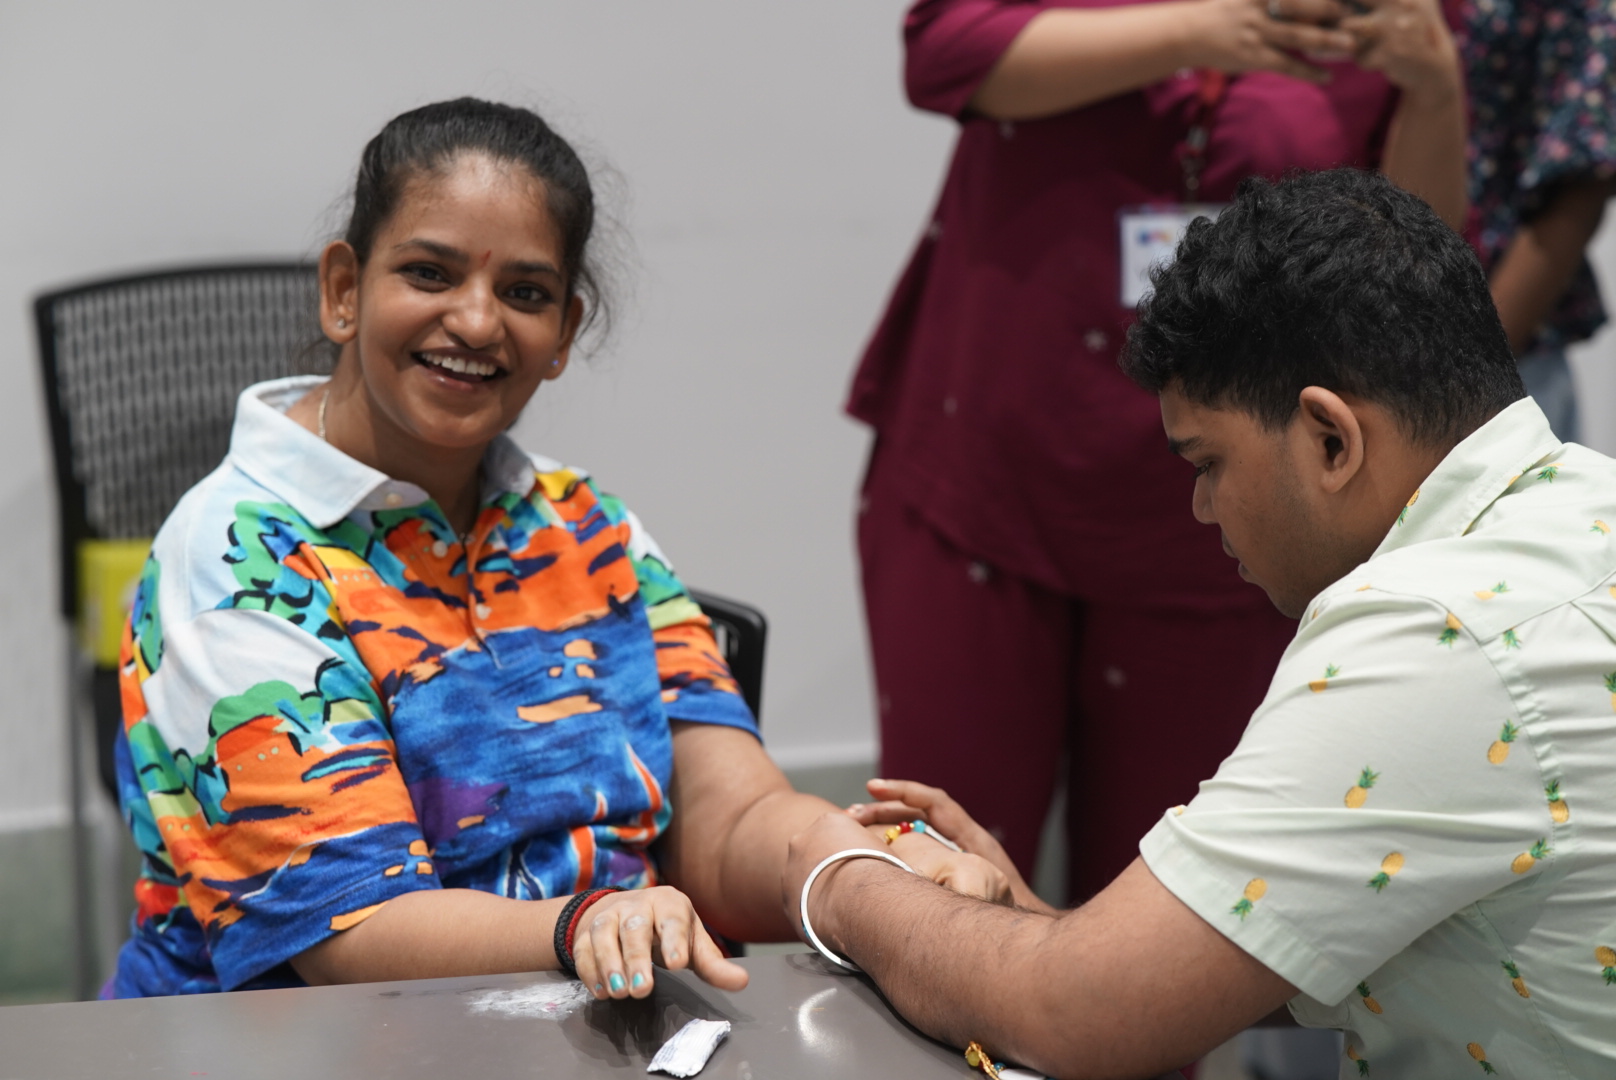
pixel 1408 41
pixel 905 800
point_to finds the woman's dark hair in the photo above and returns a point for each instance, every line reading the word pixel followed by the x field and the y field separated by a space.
pixel 430 139
pixel 1337 279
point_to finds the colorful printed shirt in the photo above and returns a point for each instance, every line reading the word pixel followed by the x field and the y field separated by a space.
pixel 1542 80
pixel 1418 829
pixel 331 699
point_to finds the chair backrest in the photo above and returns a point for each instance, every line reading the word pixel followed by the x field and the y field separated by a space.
pixel 141 377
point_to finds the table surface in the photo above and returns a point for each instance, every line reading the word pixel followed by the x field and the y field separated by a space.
pixel 797 1018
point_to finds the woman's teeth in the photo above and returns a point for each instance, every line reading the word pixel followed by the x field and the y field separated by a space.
pixel 458 365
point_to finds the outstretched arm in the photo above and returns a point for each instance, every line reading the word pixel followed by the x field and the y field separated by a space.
pixel 735 813
pixel 1130 984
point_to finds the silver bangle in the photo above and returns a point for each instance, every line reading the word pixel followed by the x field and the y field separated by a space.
pixel 850 853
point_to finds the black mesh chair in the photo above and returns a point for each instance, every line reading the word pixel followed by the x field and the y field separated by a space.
pixel 141 377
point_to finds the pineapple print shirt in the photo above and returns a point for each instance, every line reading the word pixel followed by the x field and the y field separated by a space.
pixel 1418 828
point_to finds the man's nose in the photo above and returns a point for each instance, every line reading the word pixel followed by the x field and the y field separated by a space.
pixel 1201 505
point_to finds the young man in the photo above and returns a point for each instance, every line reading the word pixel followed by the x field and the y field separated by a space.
pixel 1415 840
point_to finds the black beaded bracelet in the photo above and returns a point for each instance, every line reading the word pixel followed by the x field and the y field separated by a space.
pixel 563 925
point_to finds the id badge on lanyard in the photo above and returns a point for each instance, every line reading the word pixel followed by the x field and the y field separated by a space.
pixel 1150 235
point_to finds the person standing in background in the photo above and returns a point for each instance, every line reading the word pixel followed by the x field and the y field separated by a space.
pixel 1033 585
pixel 1542 166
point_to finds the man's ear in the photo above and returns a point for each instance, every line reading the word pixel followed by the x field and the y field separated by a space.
pixel 1334 450
pixel 339 292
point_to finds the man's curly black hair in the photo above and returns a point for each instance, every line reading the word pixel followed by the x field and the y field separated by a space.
pixel 1337 279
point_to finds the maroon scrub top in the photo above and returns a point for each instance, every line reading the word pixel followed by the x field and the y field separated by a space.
pixel 992 379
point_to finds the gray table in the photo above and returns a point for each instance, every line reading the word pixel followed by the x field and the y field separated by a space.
pixel 798 1018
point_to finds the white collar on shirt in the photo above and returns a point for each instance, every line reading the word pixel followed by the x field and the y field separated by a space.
pixel 325 485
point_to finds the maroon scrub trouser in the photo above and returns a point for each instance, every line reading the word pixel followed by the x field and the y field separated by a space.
pixel 986 684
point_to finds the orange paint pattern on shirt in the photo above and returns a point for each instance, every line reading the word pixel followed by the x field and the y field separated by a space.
pixel 694 653
pixel 559 709
pixel 265 770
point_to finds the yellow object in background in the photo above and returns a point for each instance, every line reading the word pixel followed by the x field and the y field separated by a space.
pixel 109 572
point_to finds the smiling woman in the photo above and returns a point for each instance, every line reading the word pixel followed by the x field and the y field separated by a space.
pixel 402 700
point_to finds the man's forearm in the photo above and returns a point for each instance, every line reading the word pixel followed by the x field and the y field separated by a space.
pixel 952 966
pixel 1131 984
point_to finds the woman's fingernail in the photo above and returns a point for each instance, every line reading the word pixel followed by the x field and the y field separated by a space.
pixel 639 980
pixel 855 808
pixel 616 982
pixel 599 988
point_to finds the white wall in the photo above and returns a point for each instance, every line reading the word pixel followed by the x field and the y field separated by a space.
pixel 776 180
pixel 1593 363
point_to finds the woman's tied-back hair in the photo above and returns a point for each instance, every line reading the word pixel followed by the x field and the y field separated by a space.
pixel 1336 279
pixel 429 140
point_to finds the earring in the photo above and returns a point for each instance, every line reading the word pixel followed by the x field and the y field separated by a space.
pixel 342 324
pixel 556 362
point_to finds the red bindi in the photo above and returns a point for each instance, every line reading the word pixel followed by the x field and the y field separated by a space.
pixel 486 255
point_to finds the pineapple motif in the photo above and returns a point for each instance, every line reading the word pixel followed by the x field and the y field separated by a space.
pixel 1558 810
pixel 1610 680
pixel 1515 979
pixel 1512 640
pixel 1363 1066
pixel 1488 594
pixel 1412 499
pixel 1527 859
pixel 1599 527
pixel 1451 634
pixel 1606 956
pixel 1358 792
pixel 1499 750
pixel 1389 866
pixel 1256 888
pixel 1481 1058
pixel 1369 1003
pixel 1549 472
pixel 1318 685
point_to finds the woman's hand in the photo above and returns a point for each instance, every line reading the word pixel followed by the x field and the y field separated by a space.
pixel 905 800
pixel 626 933
pixel 1265 35
pixel 965 873
pixel 1408 41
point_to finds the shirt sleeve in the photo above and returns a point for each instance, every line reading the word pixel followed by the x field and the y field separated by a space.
pixel 1387 782
pixel 950 47
pixel 268 784
pixel 696 682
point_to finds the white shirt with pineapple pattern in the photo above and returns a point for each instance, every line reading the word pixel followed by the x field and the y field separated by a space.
pixel 1418 828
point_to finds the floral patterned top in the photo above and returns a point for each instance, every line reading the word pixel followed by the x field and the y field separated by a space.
pixel 1543 110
